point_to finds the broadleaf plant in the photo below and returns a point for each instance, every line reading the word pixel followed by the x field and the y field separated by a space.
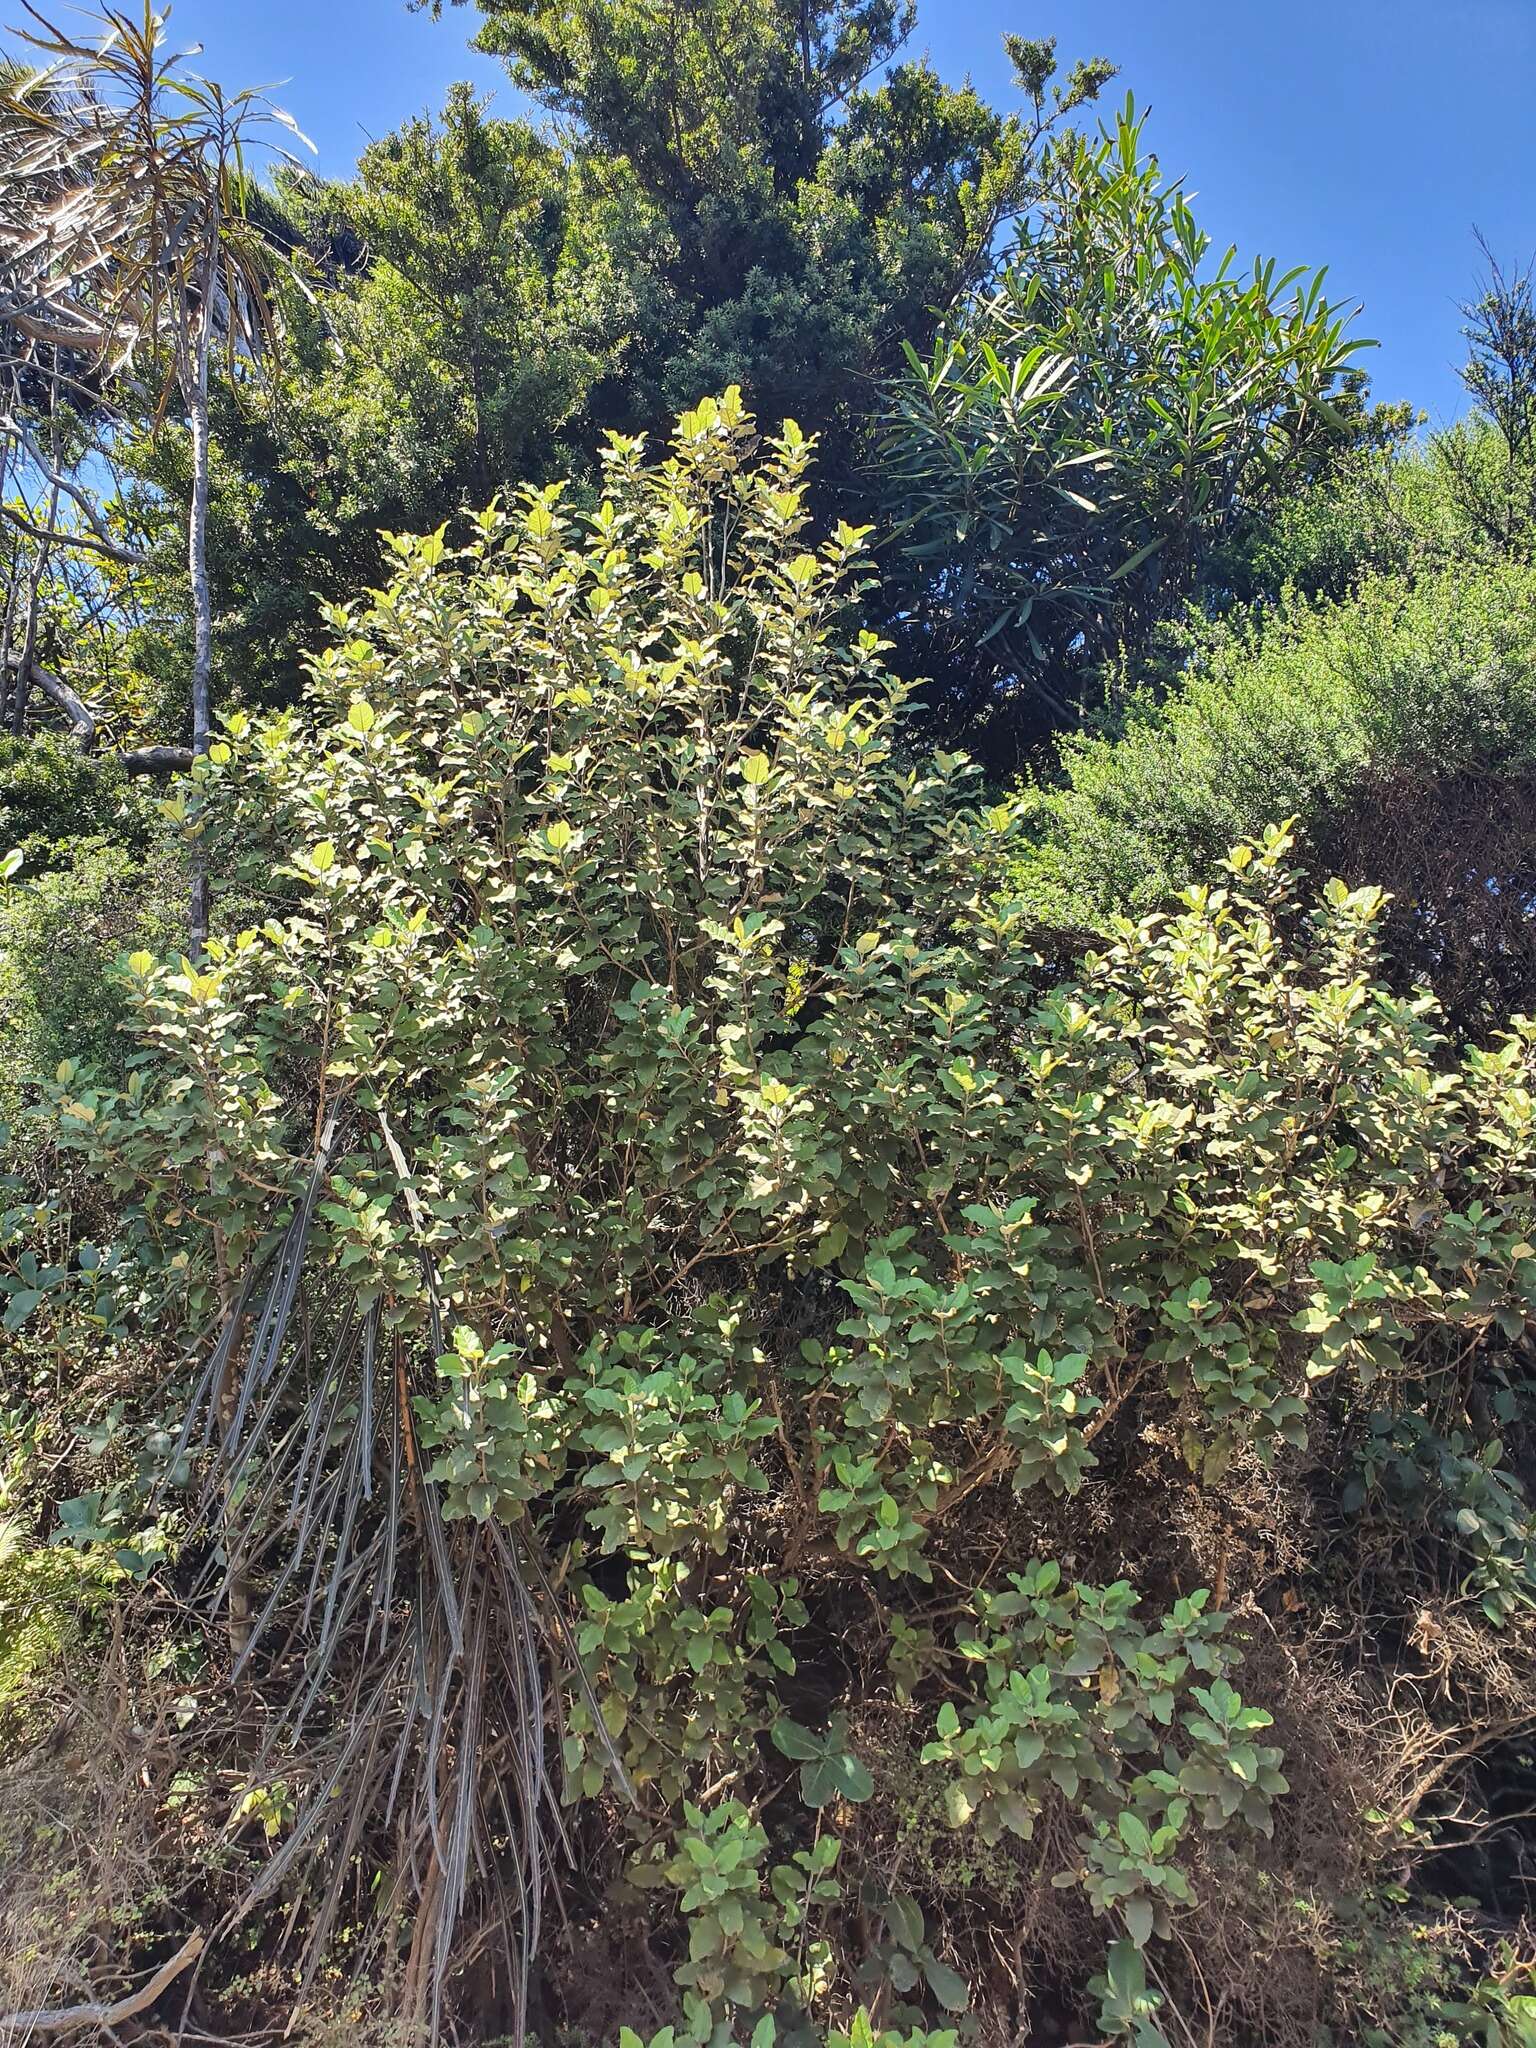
pixel 655 1274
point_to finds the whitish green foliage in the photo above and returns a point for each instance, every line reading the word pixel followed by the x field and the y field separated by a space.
pixel 739 1229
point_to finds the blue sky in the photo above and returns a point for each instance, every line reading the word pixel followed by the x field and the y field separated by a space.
pixel 1368 135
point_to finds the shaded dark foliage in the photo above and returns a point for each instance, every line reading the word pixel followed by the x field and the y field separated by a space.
pixel 1458 855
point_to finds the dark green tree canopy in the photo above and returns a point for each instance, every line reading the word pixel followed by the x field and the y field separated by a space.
pixel 704 95
pixel 816 198
pixel 759 196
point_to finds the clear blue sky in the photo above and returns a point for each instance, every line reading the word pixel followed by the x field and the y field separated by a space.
pixel 1369 135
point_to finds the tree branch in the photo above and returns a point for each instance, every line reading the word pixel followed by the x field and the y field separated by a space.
pixel 83 727
pixel 93 338
pixel 114 552
pixel 57 691
pixel 98 2015
pixel 155 760
pixel 13 426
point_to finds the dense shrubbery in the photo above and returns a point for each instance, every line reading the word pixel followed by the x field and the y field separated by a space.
pixel 1399 504
pixel 988 1485
pixel 61 933
pixel 1361 659
pixel 53 798
pixel 1398 728
pixel 703 1380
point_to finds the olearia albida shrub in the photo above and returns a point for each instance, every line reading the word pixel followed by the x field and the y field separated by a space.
pixel 644 1057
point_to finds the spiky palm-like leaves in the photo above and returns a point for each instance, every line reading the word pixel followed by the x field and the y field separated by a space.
pixel 407 1668
pixel 130 270
pixel 411 1667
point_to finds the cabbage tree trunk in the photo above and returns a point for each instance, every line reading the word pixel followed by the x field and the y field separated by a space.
pixel 197 569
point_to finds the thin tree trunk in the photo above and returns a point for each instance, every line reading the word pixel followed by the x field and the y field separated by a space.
pixel 8 614
pixel 7 618
pixel 202 604
pixel 24 667
pixel 416 1988
pixel 82 720
pixel 38 571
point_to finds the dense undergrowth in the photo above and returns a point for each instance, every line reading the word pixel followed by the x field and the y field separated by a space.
pixel 709 1442
pixel 699 1374
pixel 1383 700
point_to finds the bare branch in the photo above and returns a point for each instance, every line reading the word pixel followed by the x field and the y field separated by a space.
pixel 96 2014
pixel 130 558
pixel 57 691
pixel 156 760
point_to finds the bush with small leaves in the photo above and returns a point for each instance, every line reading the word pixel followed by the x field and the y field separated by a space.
pixel 860 2033
pixel 640 1233
pixel 1082 1703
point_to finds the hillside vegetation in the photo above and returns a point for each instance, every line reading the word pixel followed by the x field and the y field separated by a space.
pixel 768 1072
